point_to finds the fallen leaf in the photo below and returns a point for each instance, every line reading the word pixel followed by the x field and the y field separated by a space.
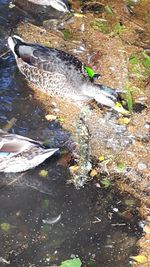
pixel 74 168
pixel 5 226
pixel 71 263
pixel 101 158
pixel 79 15
pixel 46 203
pixel 129 202
pixel 139 258
pixel 61 119
pixel 93 173
pixel 121 166
pixel 124 120
pixel 105 182
pixel 43 173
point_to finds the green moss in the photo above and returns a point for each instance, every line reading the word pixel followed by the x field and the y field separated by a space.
pixel 129 98
pixel 118 28
pixel 140 65
pixel 109 10
pixel 101 25
pixel 67 34
pixel 133 59
pixel 146 61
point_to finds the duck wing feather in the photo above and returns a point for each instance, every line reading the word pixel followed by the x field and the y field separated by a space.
pixel 13 143
pixel 49 59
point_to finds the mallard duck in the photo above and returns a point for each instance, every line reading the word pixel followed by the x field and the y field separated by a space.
pixel 19 153
pixel 58 73
pixel 47 9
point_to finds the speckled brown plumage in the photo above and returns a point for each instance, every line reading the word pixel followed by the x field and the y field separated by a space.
pixel 58 73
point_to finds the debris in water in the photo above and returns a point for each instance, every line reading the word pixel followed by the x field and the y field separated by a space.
pixel 53 220
pixel 2 260
pixel 43 173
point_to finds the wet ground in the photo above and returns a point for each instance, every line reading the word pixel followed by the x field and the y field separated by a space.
pixel 103 228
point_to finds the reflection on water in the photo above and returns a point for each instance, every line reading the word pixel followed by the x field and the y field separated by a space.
pixel 89 227
pixel 104 242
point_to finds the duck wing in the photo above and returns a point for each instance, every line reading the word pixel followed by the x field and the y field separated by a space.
pixel 49 59
pixel 12 143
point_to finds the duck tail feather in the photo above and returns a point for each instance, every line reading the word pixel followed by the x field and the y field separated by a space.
pixel 13 41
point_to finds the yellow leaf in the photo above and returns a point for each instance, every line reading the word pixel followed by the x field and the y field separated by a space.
pixel 61 119
pixel 5 226
pixel 139 258
pixel 93 173
pixel 74 168
pixel 79 15
pixel 43 173
pixel 50 117
pixel 124 120
pixel 101 158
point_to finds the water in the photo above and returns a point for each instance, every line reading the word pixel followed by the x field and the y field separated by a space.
pixel 92 225
pixel 89 227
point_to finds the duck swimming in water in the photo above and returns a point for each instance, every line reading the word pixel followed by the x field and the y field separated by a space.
pixel 19 153
pixel 58 73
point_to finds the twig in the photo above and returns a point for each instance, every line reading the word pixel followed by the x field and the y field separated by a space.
pixel 10 124
pixel 5 53
pixel 12 182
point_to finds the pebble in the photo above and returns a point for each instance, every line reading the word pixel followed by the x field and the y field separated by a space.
pixel 147 125
pixel 142 166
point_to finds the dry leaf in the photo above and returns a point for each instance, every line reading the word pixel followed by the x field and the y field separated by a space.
pixel 79 15
pixel 93 173
pixel 101 158
pixel 124 120
pixel 74 168
pixel 43 173
pixel 139 258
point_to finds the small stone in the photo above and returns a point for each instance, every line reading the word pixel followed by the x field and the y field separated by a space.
pixel 142 166
pixel 115 209
pixel 98 185
pixel 147 125
pixel 50 117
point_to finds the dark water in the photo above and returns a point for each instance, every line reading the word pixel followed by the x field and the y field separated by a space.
pixel 24 205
